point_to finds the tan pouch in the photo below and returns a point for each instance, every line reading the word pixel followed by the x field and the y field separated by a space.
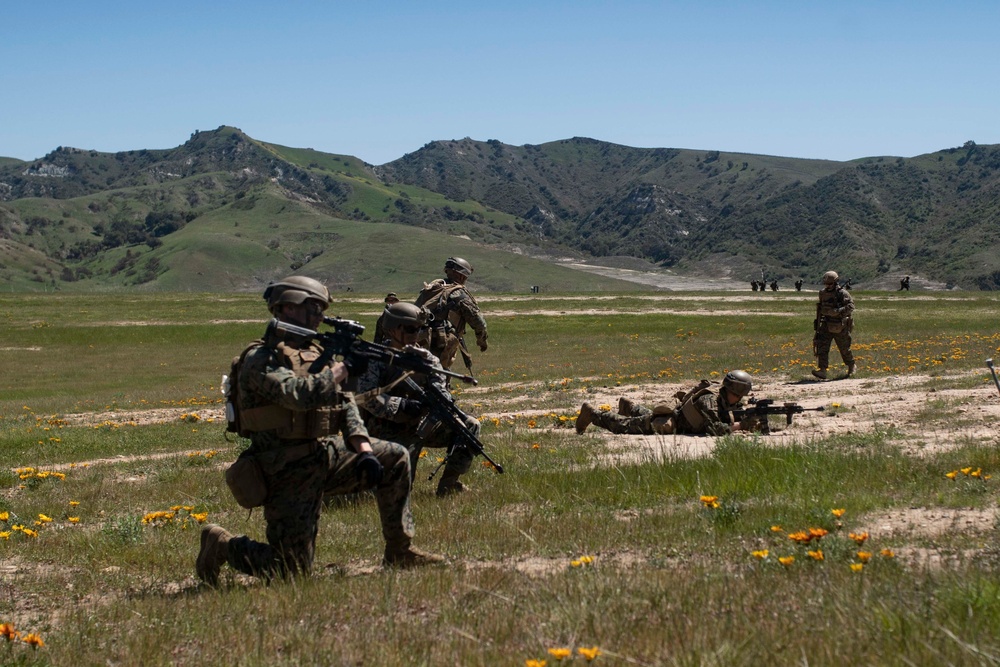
pixel 246 481
pixel 835 326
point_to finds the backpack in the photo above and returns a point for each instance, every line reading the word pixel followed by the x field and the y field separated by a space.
pixel 231 390
pixel 434 296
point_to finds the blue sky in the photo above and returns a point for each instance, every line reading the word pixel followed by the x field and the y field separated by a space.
pixel 834 80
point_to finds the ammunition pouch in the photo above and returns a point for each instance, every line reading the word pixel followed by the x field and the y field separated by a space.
pixel 245 480
pixel 835 326
pixel 292 424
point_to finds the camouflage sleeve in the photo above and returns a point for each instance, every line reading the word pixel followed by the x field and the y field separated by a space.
pixel 848 304
pixel 264 381
pixel 382 406
pixel 708 406
pixel 353 425
pixel 467 307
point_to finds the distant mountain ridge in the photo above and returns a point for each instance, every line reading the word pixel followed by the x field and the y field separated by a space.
pixel 100 220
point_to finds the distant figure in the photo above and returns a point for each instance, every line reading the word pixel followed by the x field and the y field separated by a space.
pixel 774 285
pixel 834 323
pixel 848 285
pixel 798 285
pixel 904 284
pixel 453 308
pixel 753 285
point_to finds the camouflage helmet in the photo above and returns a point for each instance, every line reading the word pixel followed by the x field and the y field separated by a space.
pixel 405 314
pixel 458 265
pixel 296 290
pixel 830 277
pixel 738 382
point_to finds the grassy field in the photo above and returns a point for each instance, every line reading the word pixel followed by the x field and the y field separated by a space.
pixel 759 553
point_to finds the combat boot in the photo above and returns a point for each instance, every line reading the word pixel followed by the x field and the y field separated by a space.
pixel 214 553
pixel 626 407
pixel 585 419
pixel 851 368
pixel 450 485
pixel 409 557
pixel 821 373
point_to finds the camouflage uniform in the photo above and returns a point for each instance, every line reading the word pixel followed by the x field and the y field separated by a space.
pixel 385 417
pixel 707 406
pixel 834 323
pixel 453 308
pixel 276 384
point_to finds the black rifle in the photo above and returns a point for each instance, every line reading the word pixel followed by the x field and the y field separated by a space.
pixel 762 407
pixel 443 409
pixel 345 341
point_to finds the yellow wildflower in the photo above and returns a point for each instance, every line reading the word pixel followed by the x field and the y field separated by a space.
pixel 534 663
pixel 73 519
pixel 951 475
pixel 776 529
pixel 33 639
pixel 560 653
pixel 858 537
pixel 857 567
pixel 786 560
pixel 966 471
pixel 5 535
pixel 74 503
pixel 816 555
pixel 29 532
pixel 817 533
pixel 4 516
pixel 864 556
pixel 761 553
pixel 44 519
pixel 8 632
pixel 709 500
pixel 838 512
pixel 589 653
pixel 888 553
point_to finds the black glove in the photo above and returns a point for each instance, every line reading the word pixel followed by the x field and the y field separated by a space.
pixel 355 363
pixel 410 407
pixel 369 469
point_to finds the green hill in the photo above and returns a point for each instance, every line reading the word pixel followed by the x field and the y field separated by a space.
pixel 225 211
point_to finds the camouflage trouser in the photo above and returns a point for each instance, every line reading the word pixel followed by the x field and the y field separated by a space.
pixel 821 343
pixel 444 345
pixel 295 500
pixel 641 421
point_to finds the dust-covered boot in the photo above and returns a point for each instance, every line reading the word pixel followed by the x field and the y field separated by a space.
pixel 820 373
pixel 585 418
pixel 409 556
pixel 851 367
pixel 214 553
pixel 626 407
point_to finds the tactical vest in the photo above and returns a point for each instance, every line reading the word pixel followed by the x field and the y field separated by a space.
pixel 434 296
pixel 829 302
pixel 687 409
pixel 290 424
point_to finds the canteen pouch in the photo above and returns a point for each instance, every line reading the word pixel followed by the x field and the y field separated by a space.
pixel 835 326
pixel 246 481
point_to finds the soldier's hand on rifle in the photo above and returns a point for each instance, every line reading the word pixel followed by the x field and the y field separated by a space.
pixel 410 407
pixel 369 469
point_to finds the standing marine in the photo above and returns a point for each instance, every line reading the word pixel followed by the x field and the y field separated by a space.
pixel 834 323
pixel 307 439
pixel 393 410
pixel 453 307
pixel 706 409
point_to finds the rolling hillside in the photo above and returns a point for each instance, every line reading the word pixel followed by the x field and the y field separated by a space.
pixel 224 211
